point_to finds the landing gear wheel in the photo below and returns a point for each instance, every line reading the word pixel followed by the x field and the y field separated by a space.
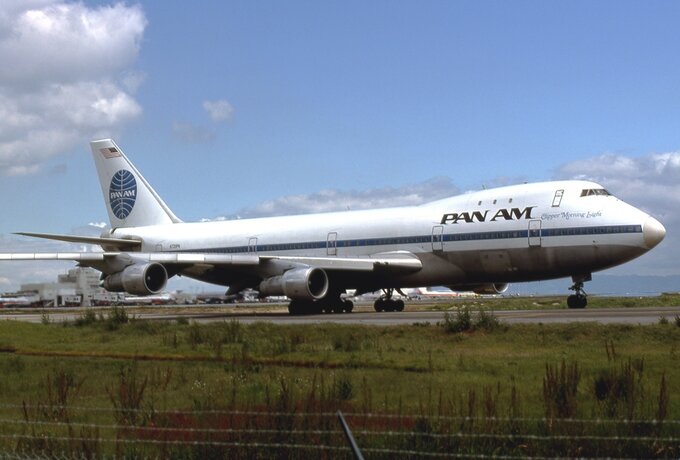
pixel 296 307
pixel 577 301
pixel 379 305
pixel 304 307
pixel 386 303
pixel 579 298
pixel 333 303
pixel 348 306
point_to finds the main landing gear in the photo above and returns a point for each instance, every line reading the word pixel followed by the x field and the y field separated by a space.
pixel 579 299
pixel 329 304
pixel 386 303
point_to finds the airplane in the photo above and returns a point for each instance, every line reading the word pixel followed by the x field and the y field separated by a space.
pixel 18 300
pixel 478 241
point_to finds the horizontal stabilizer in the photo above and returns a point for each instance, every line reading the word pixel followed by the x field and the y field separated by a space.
pixel 118 242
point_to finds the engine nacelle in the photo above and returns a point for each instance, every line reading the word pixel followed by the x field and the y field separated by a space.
pixel 484 289
pixel 138 279
pixel 298 284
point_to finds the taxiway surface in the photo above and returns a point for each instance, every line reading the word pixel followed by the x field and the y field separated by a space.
pixel 366 316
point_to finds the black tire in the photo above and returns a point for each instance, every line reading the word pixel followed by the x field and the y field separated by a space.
pixel 379 305
pixel 577 301
pixel 294 308
pixel 349 306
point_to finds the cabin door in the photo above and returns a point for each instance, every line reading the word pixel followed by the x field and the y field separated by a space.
pixel 534 233
pixel 437 238
pixel 332 244
pixel 252 245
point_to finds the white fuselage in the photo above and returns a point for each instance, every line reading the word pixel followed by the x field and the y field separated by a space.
pixel 516 233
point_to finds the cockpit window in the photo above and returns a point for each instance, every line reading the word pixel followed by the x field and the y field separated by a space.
pixel 594 191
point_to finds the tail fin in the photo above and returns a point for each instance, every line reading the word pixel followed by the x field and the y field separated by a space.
pixel 130 200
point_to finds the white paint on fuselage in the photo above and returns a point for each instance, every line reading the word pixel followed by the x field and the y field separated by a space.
pixel 557 255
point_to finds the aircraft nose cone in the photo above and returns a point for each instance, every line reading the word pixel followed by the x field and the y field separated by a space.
pixel 653 232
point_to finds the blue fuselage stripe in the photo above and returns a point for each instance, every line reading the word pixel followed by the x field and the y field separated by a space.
pixel 431 238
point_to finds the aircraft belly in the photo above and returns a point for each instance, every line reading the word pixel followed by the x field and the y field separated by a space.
pixel 528 264
pixel 515 265
pixel 454 267
pixel 216 275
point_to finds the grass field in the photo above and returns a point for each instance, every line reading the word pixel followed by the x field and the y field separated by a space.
pixel 113 385
pixel 559 302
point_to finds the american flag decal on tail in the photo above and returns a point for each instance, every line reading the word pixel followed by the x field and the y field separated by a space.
pixel 110 152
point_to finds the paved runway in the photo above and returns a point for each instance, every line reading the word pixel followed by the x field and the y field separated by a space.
pixel 365 315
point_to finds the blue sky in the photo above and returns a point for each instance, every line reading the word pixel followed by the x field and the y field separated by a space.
pixel 249 108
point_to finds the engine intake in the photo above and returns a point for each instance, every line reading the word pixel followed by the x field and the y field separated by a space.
pixel 486 288
pixel 299 284
pixel 138 279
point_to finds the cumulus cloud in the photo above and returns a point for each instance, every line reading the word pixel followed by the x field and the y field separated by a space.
pixel 65 76
pixel 191 133
pixel 218 110
pixel 194 133
pixel 340 200
pixel 651 183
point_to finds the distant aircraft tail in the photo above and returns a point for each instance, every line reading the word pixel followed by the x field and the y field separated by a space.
pixel 130 200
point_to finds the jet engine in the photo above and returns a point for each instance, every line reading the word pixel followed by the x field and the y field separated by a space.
pixel 138 279
pixel 299 284
pixel 487 288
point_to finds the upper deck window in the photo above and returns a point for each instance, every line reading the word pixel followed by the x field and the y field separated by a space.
pixel 594 191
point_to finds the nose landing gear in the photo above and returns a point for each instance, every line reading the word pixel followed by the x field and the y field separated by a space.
pixel 579 299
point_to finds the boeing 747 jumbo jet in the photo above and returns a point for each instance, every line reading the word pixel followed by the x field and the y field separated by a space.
pixel 477 242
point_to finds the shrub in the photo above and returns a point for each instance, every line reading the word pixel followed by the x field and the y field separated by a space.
pixel 560 386
pixel 620 391
pixel 487 321
pixel 127 398
pixel 463 321
pixel 116 318
pixel 86 318
pixel 344 389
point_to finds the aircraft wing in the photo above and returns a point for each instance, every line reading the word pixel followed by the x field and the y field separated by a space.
pixel 400 261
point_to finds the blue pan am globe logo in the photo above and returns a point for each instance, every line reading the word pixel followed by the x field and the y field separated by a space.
pixel 122 193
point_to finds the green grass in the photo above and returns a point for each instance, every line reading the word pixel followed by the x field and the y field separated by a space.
pixel 428 355
pixel 148 368
pixel 557 302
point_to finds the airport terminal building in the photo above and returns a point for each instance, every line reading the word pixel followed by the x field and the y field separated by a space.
pixel 78 287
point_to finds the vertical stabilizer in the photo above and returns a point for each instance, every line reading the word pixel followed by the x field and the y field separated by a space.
pixel 129 199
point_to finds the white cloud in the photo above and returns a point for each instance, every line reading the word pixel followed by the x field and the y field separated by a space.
pixel 651 182
pixel 220 110
pixel 340 200
pixel 65 77
pixel 189 132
